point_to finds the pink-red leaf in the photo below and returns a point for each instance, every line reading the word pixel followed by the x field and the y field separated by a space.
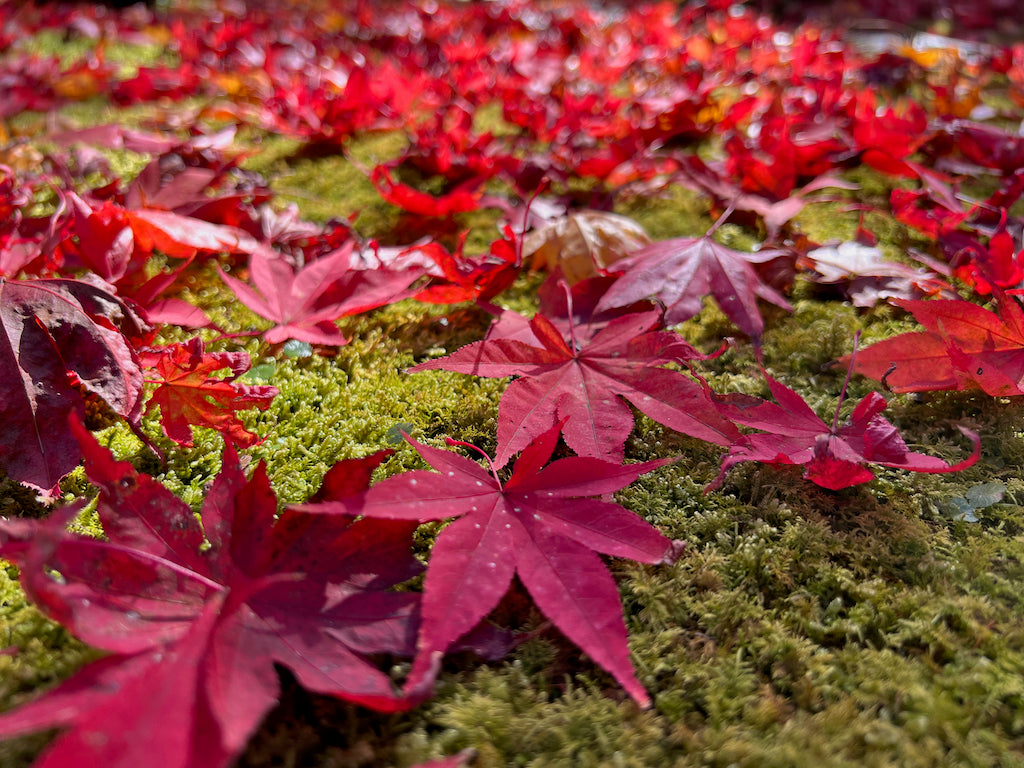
pixel 833 456
pixel 196 615
pixel 582 389
pixel 680 272
pixel 305 303
pixel 539 526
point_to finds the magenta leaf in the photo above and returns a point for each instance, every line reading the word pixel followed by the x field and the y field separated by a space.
pixel 305 303
pixel 196 615
pixel 833 456
pixel 681 271
pixel 582 389
pixel 541 526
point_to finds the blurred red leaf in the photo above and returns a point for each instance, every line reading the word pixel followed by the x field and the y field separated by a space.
pixel 197 615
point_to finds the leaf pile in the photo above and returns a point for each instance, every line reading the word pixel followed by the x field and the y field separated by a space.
pixel 155 282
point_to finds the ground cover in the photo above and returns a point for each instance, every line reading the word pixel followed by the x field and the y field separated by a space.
pixel 511 384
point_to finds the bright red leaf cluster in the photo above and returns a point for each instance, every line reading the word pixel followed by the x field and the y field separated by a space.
pixel 597 105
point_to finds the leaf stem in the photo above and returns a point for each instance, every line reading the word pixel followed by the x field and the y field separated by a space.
pixel 721 219
pixel 568 305
pixel 846 382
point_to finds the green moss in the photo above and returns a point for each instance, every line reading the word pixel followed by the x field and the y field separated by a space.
pixel 332 186
pixel 675 212
pixel 70 49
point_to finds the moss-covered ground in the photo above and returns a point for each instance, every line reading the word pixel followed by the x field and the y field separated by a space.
pixel 875 626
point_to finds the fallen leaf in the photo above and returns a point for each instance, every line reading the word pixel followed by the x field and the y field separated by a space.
pixel 964 347
pixel 539 526
pixel 189 396
pixel 196 616
pixel 61 340
pixel 681 271
pixel 304 303
pixel 834 456
pixel 580 388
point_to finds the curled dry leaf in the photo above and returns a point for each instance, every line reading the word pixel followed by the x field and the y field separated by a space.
pixel 61 341
pixel 833 456
pixel 583 243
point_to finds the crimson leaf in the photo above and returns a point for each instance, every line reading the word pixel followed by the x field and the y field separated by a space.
pixel 581 388
pixel 60 339
pixel 964 347
pixel 540 526
pixel 197 615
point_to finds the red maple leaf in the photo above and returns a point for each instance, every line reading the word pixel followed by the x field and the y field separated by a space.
pixel 197 615
pixel 997 264
pixel 304 303
pixel 181 236
pixel 463 198
pixel 681 271
pixel 540 526
pixel 189 396
pixel 833 456
pixel 465 278
pixel 580 388
pixel 964 347
pixel 890 134
pixel 60 340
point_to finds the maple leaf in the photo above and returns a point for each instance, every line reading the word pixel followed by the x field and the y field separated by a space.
pixel 305 303
pixel 964 347
pixel 181 236
pixel 464 198
pixel 834 456
pixel 455 761
pixel 61 339
pixel 580 388
pixel 539 525
pixel 582 243
pixel 197 615
pixel 889 135
pixel 188 396
pixel 681 271
pixel 464 278
pixel 866 276
pixel 981 267
pixel 571 309
pixel 105 244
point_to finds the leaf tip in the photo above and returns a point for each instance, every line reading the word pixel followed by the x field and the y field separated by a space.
pixel 675 550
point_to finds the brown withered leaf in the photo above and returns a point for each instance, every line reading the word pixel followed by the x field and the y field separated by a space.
pixel 583 243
